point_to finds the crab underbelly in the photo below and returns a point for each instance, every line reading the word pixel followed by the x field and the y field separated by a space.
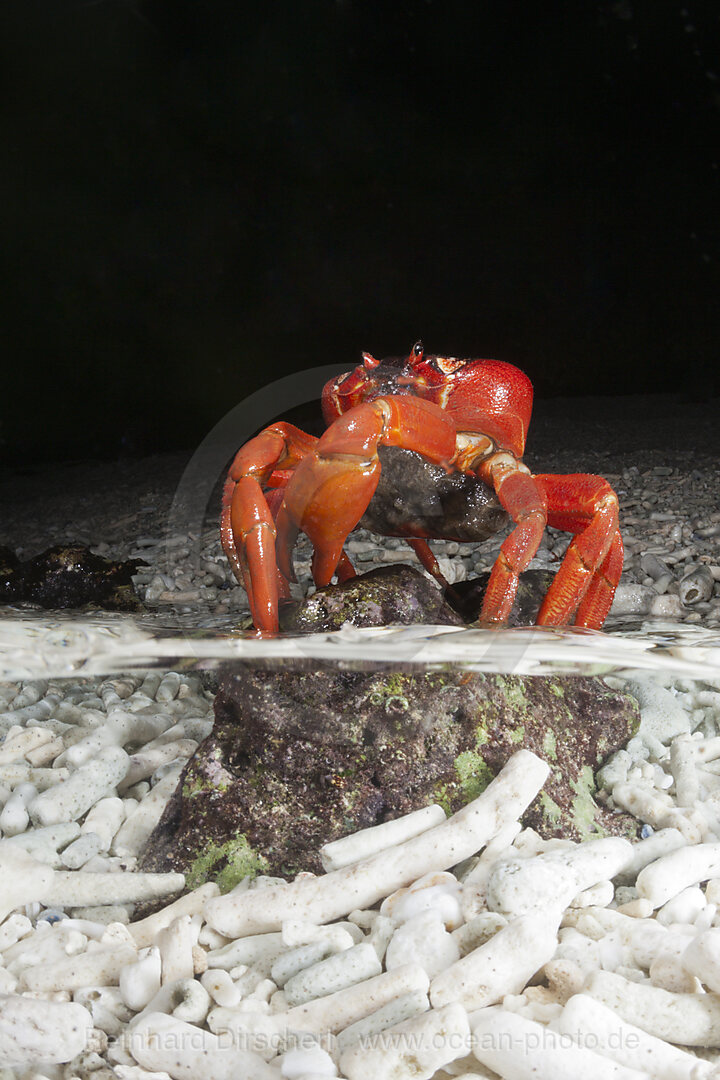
pixel 415 498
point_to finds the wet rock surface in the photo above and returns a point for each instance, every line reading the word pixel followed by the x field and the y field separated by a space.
pixel 403 595
pixel 300 757
pixel 389 594
pixel 69 576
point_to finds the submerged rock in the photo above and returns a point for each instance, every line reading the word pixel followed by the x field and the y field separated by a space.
pixel 70 576
pixel 298 758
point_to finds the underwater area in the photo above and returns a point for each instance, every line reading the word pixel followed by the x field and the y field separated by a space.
pixel 445 942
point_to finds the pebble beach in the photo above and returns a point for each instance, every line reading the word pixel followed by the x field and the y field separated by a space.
pixel 431 947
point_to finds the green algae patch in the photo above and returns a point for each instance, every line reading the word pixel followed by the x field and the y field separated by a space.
pixel 514 692
pixel 394 693
pixel 239 859
pixel 473 773
pixel 551 812
pixel 443 796
pixel 549 744
pixel 195 786
pixel 212 779
pixel 583 807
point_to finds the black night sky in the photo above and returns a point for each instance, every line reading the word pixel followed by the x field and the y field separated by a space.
pixel 199 197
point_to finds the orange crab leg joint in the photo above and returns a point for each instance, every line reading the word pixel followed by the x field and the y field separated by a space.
pixel 326 498
pixel 252 521
pixel 523 499
pixel 586 581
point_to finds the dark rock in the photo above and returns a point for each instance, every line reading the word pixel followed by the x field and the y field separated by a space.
pixel 298 758
pixel 466 597
pixel 416 498
pixel 389 594
pixel 71 576
pixel 8 562
pixel 401 594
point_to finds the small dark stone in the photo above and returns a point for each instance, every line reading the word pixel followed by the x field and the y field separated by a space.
pixel 8 564
pixel 8 561
pixel 71 576
pixel 382 597
pixel 466 597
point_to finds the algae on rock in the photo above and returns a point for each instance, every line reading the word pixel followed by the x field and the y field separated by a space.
pixel 298 758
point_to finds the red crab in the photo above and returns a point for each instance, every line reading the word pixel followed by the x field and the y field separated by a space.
pixel 453 416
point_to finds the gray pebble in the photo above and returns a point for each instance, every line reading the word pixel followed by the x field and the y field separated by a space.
pixel 633 600
pixel 697 586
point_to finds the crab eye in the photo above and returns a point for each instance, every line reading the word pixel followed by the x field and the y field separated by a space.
pixel 417 350
pixel 369 361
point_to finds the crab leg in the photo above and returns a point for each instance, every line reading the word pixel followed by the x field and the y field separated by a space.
pixel 595 605
pixel 250 525
pixel 331 487
pixel 524 500
pixel 247 526
pixel 274 498
pixel 585 584
pixel 425 554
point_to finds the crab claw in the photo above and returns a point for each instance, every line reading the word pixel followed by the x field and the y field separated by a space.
pixel 326 499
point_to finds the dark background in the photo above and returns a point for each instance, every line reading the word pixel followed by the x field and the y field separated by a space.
pixel 199 197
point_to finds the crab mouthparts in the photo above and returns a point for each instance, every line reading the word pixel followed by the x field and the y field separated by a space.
pixel 411 380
